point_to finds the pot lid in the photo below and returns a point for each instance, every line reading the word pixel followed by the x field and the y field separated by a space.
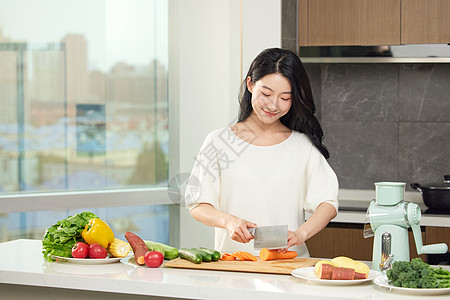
pixel 444 184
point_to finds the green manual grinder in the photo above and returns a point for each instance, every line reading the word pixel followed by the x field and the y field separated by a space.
pixel 388 219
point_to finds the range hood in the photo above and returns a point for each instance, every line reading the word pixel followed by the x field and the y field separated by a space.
pixel 418 53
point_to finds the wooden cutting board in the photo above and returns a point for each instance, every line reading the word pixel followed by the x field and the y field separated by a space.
pixel 280 266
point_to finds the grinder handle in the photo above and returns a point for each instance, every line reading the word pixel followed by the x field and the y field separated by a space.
pixel 434 249
pixel 414 215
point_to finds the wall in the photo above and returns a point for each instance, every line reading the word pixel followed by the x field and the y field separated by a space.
pixel 206 66
pixel 204 60
pixel 261 28
pixel 384 122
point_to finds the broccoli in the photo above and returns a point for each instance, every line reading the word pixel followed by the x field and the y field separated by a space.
pixel 418 274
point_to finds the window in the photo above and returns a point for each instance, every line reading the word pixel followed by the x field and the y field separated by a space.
pixel 84 118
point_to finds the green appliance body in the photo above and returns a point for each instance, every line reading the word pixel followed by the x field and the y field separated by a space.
pixel 390 217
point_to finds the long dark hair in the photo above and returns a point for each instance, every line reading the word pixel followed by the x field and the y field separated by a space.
pixel 301 114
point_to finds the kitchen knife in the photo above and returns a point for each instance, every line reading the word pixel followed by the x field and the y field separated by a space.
pixel 270 237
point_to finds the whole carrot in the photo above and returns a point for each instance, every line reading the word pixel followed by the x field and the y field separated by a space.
pixel 266 254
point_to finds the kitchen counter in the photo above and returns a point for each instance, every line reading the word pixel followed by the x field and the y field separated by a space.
pixel 23 270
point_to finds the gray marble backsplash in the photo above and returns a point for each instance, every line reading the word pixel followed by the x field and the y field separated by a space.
pixel 384 122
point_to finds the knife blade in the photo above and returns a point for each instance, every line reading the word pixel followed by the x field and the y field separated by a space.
pixel 270 237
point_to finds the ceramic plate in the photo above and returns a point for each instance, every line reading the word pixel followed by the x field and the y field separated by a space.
pixel 383 281
pixel 308 274
pixel 87 261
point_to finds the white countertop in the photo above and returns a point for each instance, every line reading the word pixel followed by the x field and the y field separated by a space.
pixel 21 263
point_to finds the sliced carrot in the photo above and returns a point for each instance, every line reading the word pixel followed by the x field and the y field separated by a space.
pixel 227 254
pixel 250 256
pixel 239 256
pixel 266 254
pixel 228 258
pixel 243 254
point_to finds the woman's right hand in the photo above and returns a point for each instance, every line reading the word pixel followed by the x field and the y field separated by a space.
pixel 238 229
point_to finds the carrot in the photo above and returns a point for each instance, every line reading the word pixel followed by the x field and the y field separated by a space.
pixel 239 255
pixel 248 256
pixel 243 254
pixel 266 254
pixel 227 254
pixel 228 257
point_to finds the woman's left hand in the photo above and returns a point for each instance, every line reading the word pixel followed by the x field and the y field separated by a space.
pixel 297 237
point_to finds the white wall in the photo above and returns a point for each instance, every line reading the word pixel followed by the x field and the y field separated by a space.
pixel 261 25
pixel 206 56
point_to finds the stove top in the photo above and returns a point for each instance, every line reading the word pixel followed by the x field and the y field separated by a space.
pixel 430 211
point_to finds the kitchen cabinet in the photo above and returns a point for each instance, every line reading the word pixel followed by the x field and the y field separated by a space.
pixel 425 22
pixel 368 22
pixel 341 239
pixel 435 235
pixel 348 22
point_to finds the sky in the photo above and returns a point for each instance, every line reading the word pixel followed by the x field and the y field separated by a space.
pixel 130 31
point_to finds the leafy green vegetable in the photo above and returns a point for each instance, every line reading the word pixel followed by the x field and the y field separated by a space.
pixel 60 238
pixel 418 274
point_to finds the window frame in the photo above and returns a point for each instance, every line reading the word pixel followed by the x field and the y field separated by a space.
pixel 22 202
pixel 40 201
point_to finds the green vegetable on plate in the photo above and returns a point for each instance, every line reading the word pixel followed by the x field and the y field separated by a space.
pixel 418 274
pixel 60 237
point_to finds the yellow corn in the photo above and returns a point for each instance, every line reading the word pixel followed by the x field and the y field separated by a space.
pixel 119 248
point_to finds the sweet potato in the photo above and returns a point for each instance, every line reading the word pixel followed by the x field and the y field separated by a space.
pixel 138 245
pixel 361 275
pixel 326 271
pixel 341 273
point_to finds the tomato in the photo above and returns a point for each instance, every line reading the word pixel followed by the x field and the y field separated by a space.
pixel 153 259
pixel 97 251
pixel 80 250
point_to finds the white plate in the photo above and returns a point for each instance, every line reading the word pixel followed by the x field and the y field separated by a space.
pixel 383 281
pixel 308 274
pixel 87 261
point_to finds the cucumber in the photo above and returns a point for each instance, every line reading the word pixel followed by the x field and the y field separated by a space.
pixel 215 255
pixel 169 252
pixel 205 256
pixel 190 255
pixel 152 246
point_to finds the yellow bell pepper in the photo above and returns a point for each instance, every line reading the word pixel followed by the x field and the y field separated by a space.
pixel 97 231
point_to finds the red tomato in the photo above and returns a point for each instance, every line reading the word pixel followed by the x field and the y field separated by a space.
pixel 97 251
pixel 80 250
pixel 153 259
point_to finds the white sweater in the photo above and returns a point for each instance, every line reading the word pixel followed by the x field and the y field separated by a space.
pixel 266 185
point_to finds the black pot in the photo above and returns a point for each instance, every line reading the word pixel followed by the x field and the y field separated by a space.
pixel 435 195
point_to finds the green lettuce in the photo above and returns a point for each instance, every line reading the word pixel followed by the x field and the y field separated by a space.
pixel 60 237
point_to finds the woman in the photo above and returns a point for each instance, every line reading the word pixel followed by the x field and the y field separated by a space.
pixel 269 167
